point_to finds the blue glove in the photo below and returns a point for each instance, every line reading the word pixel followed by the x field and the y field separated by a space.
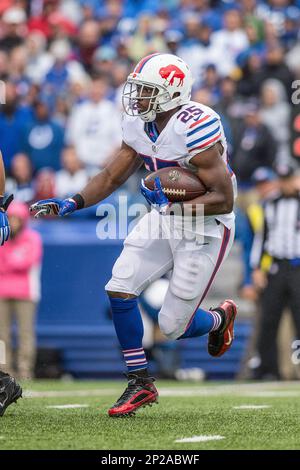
pixel 156 197
pixel 4 224
pixel 59 207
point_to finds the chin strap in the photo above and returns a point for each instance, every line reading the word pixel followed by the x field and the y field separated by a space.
pixel 149 117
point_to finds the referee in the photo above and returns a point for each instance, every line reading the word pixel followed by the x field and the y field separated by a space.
pixel 280 286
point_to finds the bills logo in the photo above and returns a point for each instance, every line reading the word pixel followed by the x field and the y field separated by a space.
pixel 171 72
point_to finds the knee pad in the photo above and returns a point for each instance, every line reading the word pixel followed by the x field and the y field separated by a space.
pixel 169 326
pixel 185 288
pixel 124 274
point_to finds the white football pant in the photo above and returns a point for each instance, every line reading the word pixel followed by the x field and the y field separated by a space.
pixel 194 261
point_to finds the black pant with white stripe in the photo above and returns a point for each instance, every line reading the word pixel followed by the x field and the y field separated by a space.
pixel 283 290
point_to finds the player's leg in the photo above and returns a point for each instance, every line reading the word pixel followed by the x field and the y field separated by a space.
pixel 142 261
pixel 10 390
pixel 294 300
pixel 5 331
pixel 274 299
pixel 25 313
pixel 195 268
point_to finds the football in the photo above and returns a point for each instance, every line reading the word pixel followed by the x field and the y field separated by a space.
pixel 178 183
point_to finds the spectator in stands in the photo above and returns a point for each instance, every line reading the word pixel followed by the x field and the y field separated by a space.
pixel 254 147
pixel 20 183
pixel 14 20
pixel 20 261
pixel 228 42
pixel 56 79
pixel 231 107
pixel 120 73
pixel 173 38
pixel 275 68
pixel 44 184
pixel 43 138
pixel 39 60
pixel 276 114
pixel 63 71
pixel 94 127
pixel 292 59
pixel 88 41
pixel 254 31
pixel 146 39
pixel 3 65
pixel 122 50
pixel 249 82
pixel 195 46
pixel 231 103
pixel 109 18
pixel 104 60
pixel 211 81
pixel 13 119
pixel 39 21
pixel 72 177
pixel 17 74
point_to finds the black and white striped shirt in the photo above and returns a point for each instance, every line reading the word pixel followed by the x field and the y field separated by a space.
pixel 280 236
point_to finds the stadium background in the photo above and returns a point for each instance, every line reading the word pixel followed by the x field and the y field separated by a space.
pixel 55 56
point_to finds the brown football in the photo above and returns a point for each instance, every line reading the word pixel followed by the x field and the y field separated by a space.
pixel 178 183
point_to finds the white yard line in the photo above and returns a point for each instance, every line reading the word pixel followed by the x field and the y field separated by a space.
pixel 64 407
pixel 200 439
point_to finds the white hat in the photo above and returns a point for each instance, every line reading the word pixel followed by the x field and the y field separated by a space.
pixel 14 15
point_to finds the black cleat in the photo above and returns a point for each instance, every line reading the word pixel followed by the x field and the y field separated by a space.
pixel 10 391
pixel 140 392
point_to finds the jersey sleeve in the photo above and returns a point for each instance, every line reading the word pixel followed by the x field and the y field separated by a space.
pixel 202 134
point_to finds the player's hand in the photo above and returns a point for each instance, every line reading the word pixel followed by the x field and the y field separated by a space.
pixel 58 207
pixel 156 197
pixel 260 279
pixel 4 224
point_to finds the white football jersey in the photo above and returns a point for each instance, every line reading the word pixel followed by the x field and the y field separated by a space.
pixel 193 129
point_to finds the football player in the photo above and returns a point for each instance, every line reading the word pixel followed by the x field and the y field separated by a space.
pixel 163 127
pixel 10 391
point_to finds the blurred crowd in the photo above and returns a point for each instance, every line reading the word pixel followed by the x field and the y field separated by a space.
pixel 64 63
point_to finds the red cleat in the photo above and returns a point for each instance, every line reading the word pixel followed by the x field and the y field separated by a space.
pixel 140 392
pixel 219 341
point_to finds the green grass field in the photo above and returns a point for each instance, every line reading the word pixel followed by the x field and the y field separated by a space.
pixel 185 410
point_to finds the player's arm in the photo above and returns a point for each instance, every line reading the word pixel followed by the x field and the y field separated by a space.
pixel 213 173
pixel 116 172
pixel 2 177
pixel 4 225
pixel 124 163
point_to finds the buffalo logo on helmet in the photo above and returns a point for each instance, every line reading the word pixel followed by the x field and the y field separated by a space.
pixel 170 72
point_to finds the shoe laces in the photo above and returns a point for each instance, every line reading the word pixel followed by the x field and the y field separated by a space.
pixel 134 383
